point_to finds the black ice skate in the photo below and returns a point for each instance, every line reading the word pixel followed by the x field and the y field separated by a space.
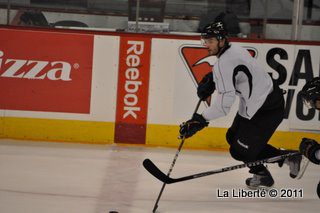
pixel 262 179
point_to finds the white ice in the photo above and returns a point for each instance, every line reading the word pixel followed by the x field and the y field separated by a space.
pixel 42 177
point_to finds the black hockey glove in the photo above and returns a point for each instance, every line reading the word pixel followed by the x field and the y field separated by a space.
pixel 308 148
pixel 190 127
pixel 206 86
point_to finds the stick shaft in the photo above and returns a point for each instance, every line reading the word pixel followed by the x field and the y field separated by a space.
pixel 230 168
pixel 173 163
pixel 155 171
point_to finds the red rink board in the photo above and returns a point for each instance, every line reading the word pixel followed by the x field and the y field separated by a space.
pixel 133 85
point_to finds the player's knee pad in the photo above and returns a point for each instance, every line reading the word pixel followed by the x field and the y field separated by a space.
pixel 242 154
pixel 235 154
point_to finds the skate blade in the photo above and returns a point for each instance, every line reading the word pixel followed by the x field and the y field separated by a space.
pixel 267 188
pixel 303 166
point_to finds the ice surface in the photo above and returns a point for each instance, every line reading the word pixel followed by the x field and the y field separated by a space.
pixel 76 178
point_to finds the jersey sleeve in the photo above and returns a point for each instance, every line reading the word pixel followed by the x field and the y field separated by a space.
pixel 220 105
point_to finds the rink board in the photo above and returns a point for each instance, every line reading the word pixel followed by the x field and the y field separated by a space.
pixel 133 88
pixel 58 130
pixel 291 64
pixel 94 125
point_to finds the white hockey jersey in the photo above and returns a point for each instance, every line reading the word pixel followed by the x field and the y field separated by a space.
pixel 236 72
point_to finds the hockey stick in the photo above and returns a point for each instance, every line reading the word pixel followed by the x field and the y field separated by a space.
pixel 156 172
pixel 172 164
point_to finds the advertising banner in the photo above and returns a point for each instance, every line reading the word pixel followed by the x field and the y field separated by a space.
pixel 133 86
pixel 44 71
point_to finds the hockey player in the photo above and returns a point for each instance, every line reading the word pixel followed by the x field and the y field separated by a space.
pixel 261 105
pixel 311 97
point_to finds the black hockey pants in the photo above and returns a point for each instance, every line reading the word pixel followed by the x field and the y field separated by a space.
pixel 248 139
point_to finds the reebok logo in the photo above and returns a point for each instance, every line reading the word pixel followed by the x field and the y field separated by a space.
pixel 132 74
pixel 242 144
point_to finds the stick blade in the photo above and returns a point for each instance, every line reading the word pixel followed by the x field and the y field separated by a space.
pixel 303 166
pixel 156 172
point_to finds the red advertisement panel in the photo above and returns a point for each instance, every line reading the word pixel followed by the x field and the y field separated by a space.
pixel 133 85
pixel 45 71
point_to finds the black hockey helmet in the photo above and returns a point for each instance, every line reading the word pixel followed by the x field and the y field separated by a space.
pixel 216 29
pixel 310 93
